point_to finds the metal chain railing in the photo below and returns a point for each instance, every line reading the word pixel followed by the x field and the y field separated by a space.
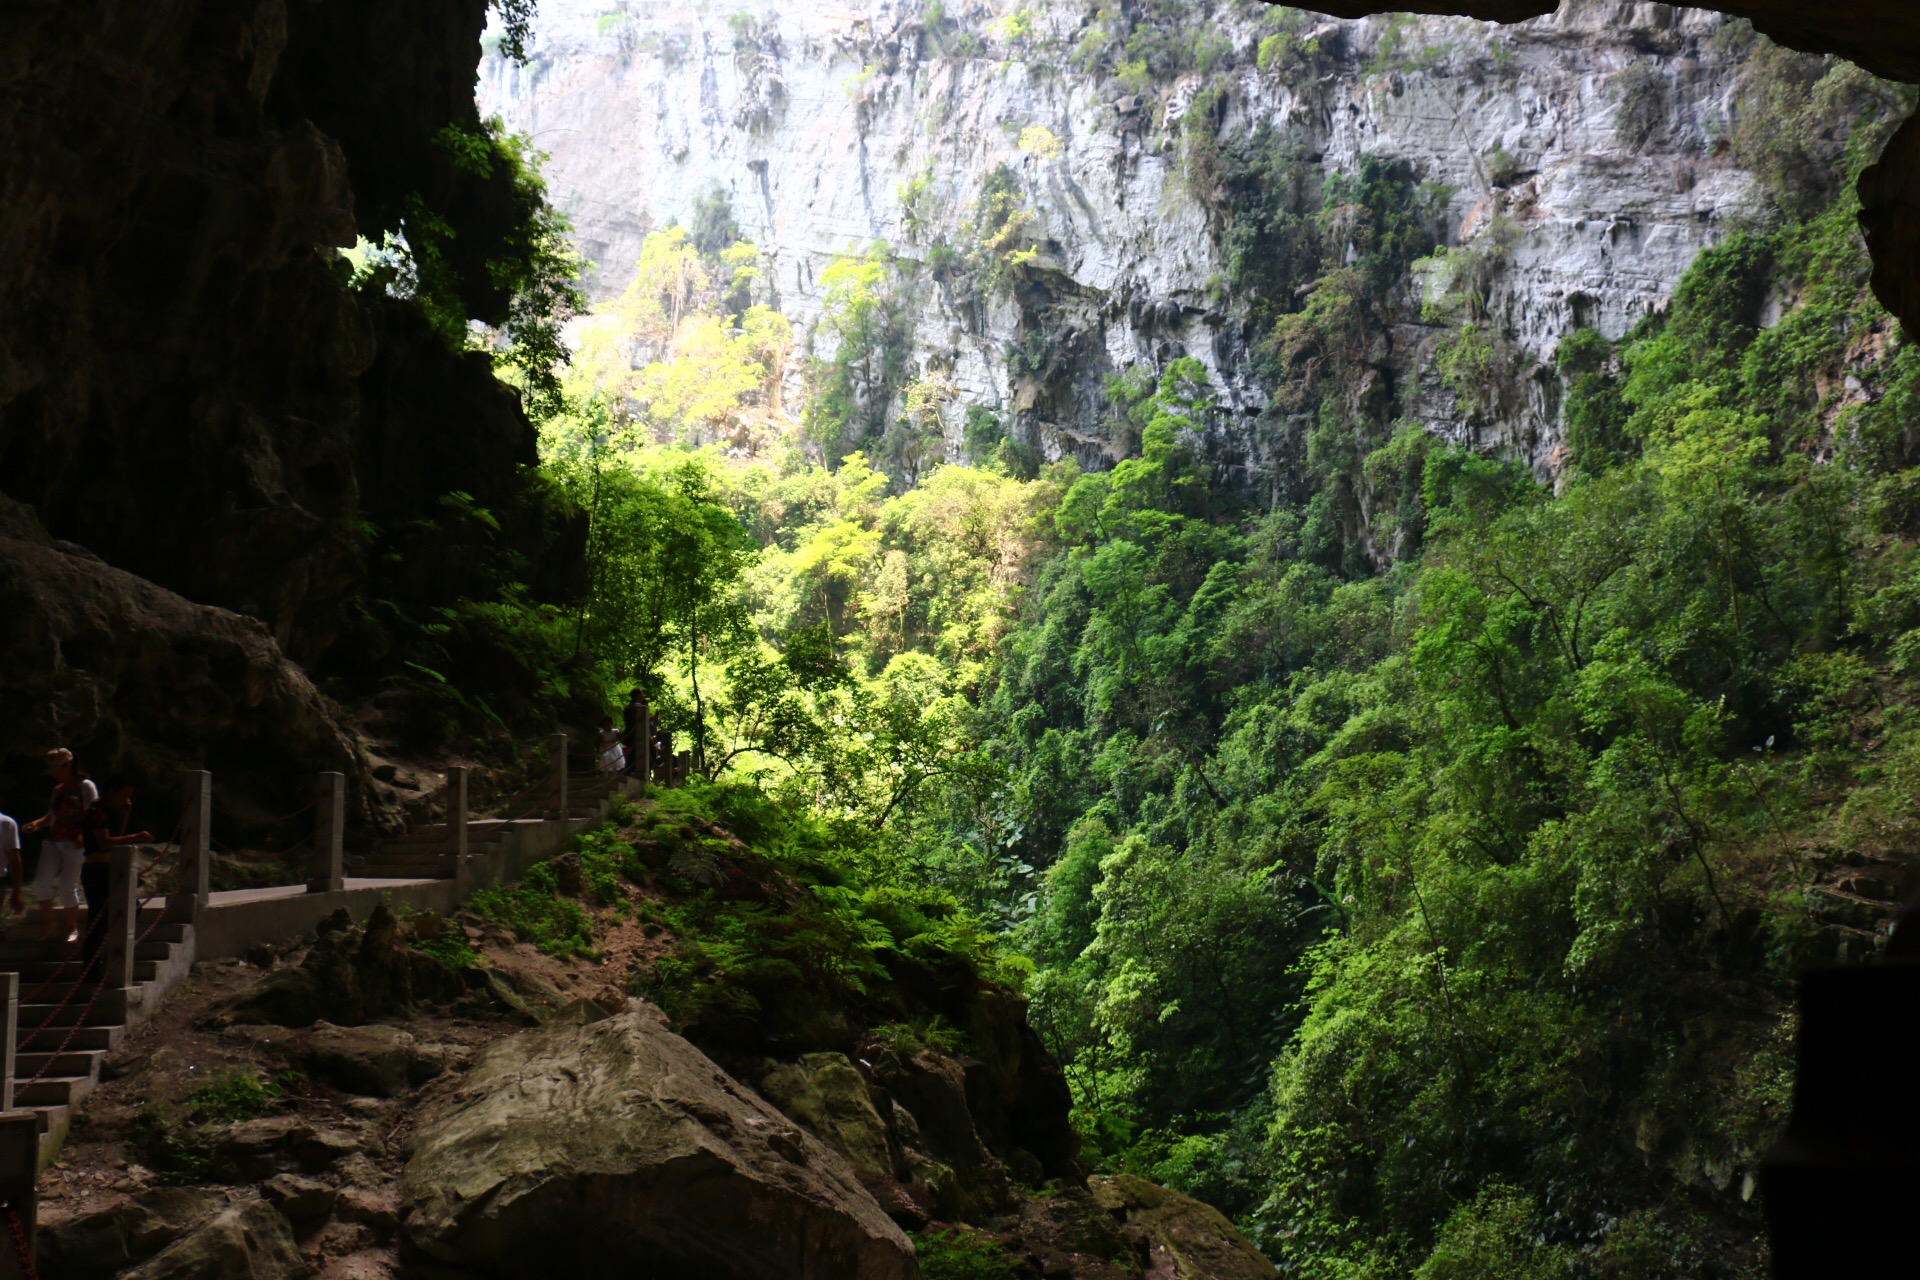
pixel 80 1019
pixel 20 1249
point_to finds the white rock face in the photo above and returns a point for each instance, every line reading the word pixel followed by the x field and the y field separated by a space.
pixel 811 116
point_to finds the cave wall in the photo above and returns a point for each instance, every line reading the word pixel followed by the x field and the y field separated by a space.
pixel 188 389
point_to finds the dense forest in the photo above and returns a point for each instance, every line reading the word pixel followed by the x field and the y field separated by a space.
pixel 1412 858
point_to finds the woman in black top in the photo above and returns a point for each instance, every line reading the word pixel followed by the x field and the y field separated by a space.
pixel 105 822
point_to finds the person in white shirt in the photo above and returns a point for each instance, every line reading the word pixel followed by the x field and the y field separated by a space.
pixel 16 863
pixel 64 851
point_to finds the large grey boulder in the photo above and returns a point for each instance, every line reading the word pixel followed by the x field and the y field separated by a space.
pixel 618 1149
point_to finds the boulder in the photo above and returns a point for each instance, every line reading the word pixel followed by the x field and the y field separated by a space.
pixel 379 1061
pixel 249 1241
pixel 577 1150
pixel 95 1246
pixel 535 1000
pixel 945 1150
pixel 255 1150
pixel 826 1093
pixel 302 1200
pixel 1187 1240
pixel 376 1208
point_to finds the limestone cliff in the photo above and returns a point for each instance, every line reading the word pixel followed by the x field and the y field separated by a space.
pixel 1577 154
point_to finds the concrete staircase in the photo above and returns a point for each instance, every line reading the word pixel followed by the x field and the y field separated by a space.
pixel 426 853
pixel 65 1031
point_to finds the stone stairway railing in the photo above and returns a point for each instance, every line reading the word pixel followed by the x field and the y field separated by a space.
pixel 59 1030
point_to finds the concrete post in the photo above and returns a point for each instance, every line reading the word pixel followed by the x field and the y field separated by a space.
pixel 196 847
pixel 559 764
pixel 19 1167
pixel 10 1003
pixel 643 750
pixel 329 836
pixel 457 825
pixel 123 917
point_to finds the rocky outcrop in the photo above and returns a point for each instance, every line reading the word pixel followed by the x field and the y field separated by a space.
pixel 1881 35
pixel 97 1246
pixel 375 1061
pixel 1186 1239
pixel 152 683
pixel 1890 215
pixel 579 1150
pixel 250 1241
pixel 174 1234
pixel 826 1093
pixel 352 974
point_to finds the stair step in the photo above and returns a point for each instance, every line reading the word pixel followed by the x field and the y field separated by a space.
pixel 52 1091
pixel 53 994
pixel 52 980
pixel 17 952
pixel 73 1013
pixel 75 1039
pixel 74 1062
pixel 32 971
pixel 14 951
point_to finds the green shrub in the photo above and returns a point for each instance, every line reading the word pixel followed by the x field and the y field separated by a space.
pixel 451 950
pixel 536 913
pixel 177 1148
pixel 958 1254
pixel 232 1098
pixel 1501 167
pixel 907 1039
pixel 1640 105
pixel 1498 1234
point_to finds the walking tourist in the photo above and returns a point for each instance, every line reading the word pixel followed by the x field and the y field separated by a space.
pixel 16 862
pixel 613 758
pixel 61 853
pixel 105 827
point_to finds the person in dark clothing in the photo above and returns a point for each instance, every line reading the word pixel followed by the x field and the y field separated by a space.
pixel 633 725
pixel 105 827
pixel 663 755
